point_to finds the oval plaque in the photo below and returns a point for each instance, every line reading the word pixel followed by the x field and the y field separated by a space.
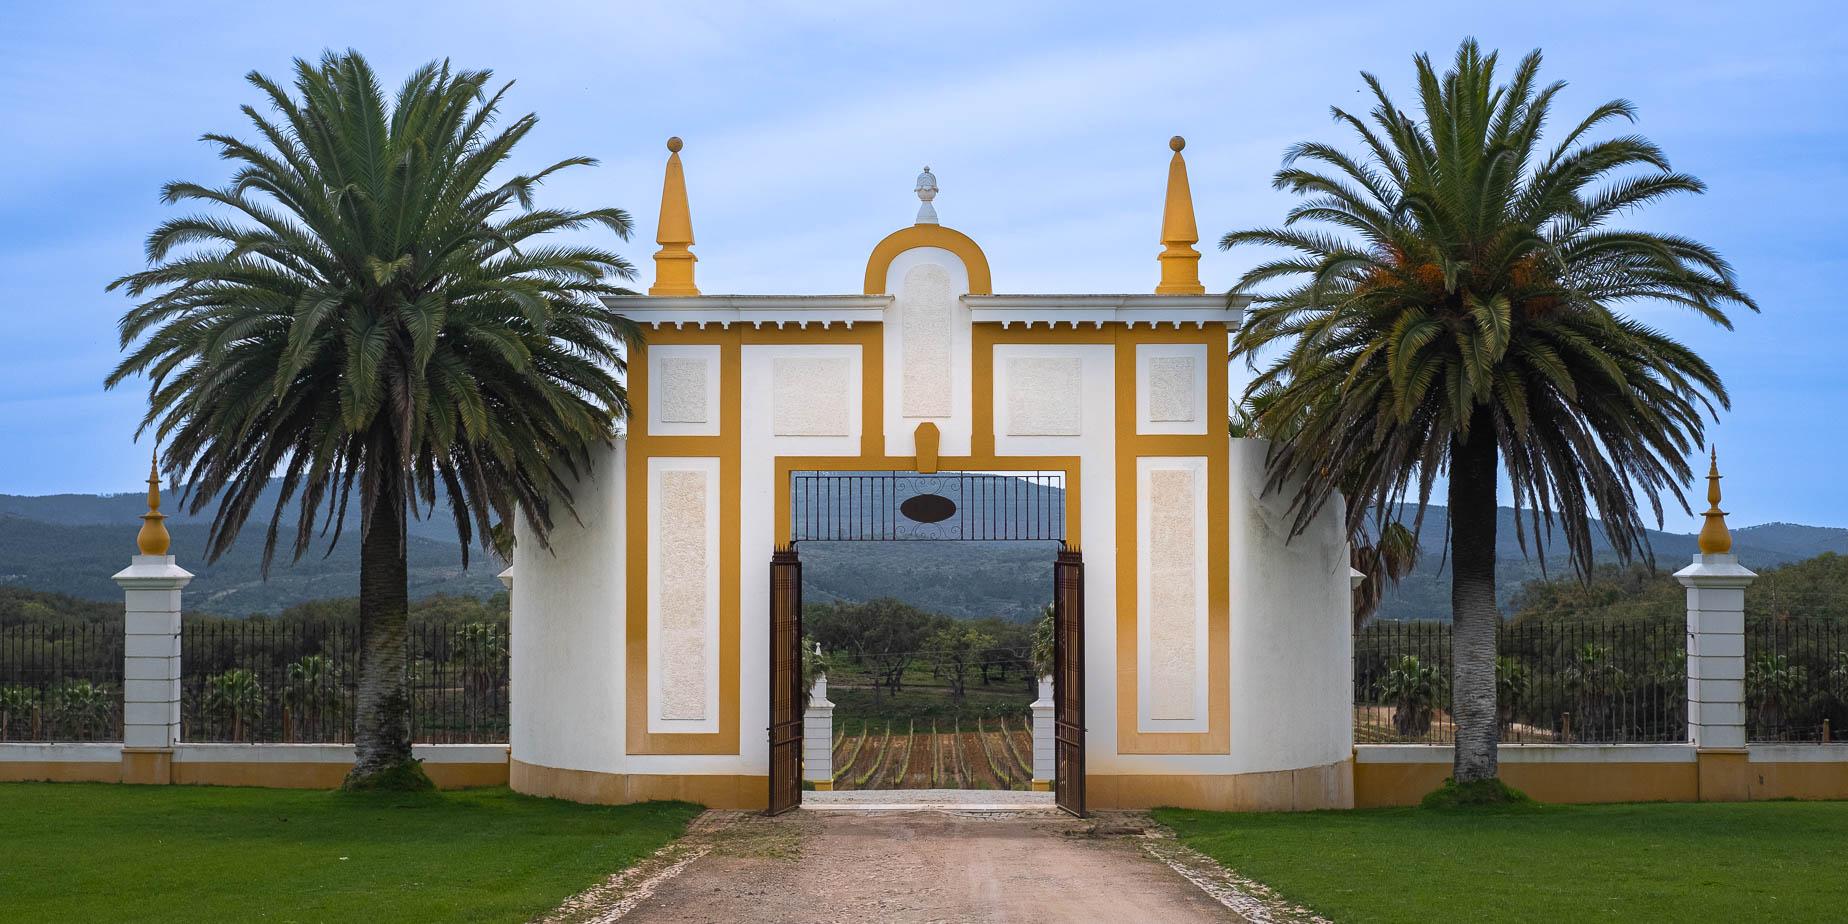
pixel 928 508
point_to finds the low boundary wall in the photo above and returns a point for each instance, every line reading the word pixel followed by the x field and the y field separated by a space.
pixel 281 766
pixel 1400 774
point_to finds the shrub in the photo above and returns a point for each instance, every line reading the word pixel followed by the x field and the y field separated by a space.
pixel 1413 690
pixel 234 696
pixel 82 708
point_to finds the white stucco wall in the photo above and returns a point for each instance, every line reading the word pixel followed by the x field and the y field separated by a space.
pixel 566 688
pixel 1292 635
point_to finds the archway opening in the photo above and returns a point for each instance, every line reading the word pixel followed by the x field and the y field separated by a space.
pixel 945 611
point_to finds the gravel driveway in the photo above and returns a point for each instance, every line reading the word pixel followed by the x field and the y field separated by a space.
pixel 908 867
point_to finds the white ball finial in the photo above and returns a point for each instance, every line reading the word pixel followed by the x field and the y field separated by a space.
pixel 926 190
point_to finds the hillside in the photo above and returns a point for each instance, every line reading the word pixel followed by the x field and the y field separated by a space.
pixel 72 543
pixel 78 560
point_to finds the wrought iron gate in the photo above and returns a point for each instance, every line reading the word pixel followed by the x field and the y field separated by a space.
pixel 1068 681
pixel 892 505
pixel 785 680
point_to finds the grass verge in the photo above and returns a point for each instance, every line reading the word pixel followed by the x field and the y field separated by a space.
pixel 98 852
pixel 1632 862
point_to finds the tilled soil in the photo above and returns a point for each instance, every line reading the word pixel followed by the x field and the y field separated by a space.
pixel 923 867
pixel 952 757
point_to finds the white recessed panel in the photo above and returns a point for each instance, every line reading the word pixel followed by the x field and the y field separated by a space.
pixel 1171 389
pixel 683 595
pixel 683 390
pixel 1043 396
pixel 1054 399
pixel 802 399
pixel 1171 594
pixel 926 306
pixel 811 396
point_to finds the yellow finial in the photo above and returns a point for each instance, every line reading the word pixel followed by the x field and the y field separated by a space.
pixel 674 262
pixel 153 538
pixel 1714 538
pixel 1180 262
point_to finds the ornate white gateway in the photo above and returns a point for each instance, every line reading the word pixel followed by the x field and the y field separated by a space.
pixel 1215 655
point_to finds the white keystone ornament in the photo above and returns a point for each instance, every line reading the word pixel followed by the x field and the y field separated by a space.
pixel 927 190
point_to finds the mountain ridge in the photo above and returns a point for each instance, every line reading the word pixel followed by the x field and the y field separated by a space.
pixel 72 543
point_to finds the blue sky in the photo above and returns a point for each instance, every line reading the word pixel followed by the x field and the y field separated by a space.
pixel 1046 124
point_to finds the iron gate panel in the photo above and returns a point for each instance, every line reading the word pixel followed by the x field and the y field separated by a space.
pixel 1068 681
pixel 972 506
pixel 785 681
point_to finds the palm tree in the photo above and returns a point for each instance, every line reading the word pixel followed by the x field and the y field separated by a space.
pixel 380 323
pixel 1458 314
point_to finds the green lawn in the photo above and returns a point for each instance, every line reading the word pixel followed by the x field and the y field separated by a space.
pixel 1769 861
pixel 101 852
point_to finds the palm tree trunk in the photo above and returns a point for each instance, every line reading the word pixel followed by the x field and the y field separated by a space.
pixel 382 724
pixel 1474 618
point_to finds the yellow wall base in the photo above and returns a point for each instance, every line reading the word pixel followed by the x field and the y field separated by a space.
pixel 147 765
pixel 824 786
pixel 1328 786
pixel 1725 775
pixel 1042 786
pixel 720 791
pixel 60 771
pixel 1716 776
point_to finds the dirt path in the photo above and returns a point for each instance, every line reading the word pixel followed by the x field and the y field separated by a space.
pixel 912 867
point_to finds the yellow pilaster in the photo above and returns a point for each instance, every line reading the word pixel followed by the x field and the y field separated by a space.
pixel 674 261
pixel 1180 262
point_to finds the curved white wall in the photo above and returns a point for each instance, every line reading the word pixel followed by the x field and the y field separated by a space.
pixel 1292 633
pixel 566 688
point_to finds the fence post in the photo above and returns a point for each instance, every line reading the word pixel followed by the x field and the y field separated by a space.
pixel 818 735
pixel 151 649
pixel 1716 584
pixel 1042 738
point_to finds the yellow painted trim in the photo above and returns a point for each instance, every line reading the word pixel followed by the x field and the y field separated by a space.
pixel 719 791
pixel 956 242
pixel 824 786
pixel 1042 786
pixel 926 438
pixel 1215 447
pixel 642 447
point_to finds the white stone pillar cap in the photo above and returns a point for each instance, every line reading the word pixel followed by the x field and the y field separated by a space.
pixel 152 572
pixel 1720 571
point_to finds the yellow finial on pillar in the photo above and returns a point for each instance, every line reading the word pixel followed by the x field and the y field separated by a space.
pixel 1180 262
pixel 1714 538
pixel 674 262
pixel 153 538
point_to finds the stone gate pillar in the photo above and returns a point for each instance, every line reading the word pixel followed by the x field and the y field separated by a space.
pixel 1716 584
pixel 818 736
pixel 1043 760
pixel 151 650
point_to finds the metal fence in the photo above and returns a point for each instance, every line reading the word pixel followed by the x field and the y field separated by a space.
pixel 978 506
pixel 61 682
pixel 1556 683
pixel 1796 679
pixel 255 680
